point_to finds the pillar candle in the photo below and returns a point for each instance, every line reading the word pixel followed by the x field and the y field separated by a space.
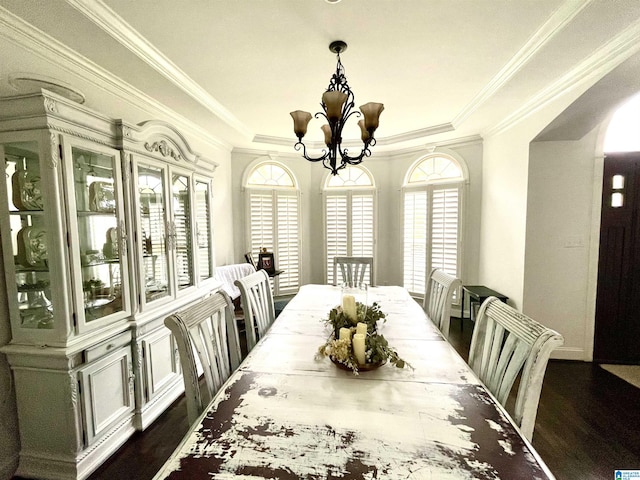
pixel 361 328
pixel 359 348
pixel 349 307
pixel 345 333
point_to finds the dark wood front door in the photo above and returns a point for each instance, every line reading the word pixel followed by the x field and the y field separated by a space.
pixel 617 331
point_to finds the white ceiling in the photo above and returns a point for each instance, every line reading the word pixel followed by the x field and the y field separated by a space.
pixel 444 69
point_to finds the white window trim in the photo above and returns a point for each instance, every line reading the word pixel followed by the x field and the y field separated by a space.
pixel 461 182
pixel 275 190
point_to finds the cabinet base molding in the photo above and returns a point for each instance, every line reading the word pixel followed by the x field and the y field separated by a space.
pixel 147 414
pixel 74 467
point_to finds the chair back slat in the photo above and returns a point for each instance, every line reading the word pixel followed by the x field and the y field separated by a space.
pixel 207 338
pixel 257 304
pixel 507 344
pixel 438 298
pixel 353 271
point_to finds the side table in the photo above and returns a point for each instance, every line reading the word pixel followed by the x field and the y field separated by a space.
pixel 477 294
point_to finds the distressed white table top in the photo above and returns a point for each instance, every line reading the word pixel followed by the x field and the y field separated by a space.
pixel 286 415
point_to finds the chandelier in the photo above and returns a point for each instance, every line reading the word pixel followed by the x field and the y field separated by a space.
pixel 337 106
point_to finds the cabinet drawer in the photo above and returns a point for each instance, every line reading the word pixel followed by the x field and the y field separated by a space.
pixel 107 346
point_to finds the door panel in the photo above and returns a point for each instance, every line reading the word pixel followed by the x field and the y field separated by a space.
pixel 617 306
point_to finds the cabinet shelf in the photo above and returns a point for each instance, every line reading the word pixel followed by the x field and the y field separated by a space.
pixel 33 287
pixel 91 213
pixel 26 212
pixel 111 261
pixel 21 269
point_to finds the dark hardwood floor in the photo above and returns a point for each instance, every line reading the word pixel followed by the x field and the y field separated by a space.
pixel 588 425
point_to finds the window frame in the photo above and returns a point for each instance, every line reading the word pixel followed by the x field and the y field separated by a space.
pixel 349 191
pixel 429 187
pixel 275 191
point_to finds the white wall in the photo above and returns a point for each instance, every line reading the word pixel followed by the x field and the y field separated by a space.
pixel 559 221
pixel 388 171
pixel 540 217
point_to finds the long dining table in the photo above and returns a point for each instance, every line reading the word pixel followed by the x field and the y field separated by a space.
pixel 288 414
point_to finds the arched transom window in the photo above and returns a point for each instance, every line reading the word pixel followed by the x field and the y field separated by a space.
pixel 273 217
pixel 431 237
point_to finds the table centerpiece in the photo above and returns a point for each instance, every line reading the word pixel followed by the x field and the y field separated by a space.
pixel 354 343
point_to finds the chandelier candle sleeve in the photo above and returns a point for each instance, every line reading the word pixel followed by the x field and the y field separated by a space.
pixel 359 348
pixel 349 307
pixel 371 112
pixel 327 134
pixel 333 101
pixel 300 121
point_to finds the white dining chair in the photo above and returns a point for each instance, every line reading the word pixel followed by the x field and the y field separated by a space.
pixel 507 344
pixel 206 335
pixel 353 270
pixel 438 298
pixel 257 304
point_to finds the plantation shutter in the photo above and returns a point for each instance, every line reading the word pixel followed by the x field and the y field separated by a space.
pixel 288 251
pixel 444 229
pixel 350 228
pixel 431 233
pixel 362 225
pixel 415 240
pixel 261 220
pixel 274 225
pixel 337 230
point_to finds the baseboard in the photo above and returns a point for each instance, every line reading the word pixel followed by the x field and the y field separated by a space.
pixel 569 353
pixel 8 466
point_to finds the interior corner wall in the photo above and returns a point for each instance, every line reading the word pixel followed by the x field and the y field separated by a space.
pixel 504 213
pixel 559 222
pixel 505 190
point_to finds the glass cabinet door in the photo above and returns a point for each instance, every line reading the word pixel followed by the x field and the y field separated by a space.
pixel 204 235
pixel 151 233
pixel 28 235
pixel 101 232
pixel 181 229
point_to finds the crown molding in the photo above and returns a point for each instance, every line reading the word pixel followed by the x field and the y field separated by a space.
pixel 15 30
pixel 560 18
pixel 127 36
pixel 432 146
pixel 610 55
pixel 381 142
pixel 415 134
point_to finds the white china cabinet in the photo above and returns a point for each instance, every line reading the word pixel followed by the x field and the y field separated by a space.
pixel 171 199
pixel 105 229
